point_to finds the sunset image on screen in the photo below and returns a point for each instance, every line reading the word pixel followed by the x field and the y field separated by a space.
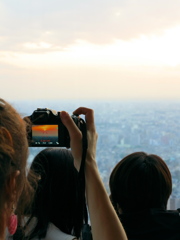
pixel 45 134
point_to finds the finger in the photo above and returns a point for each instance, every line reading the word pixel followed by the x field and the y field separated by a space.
pixel 73 130
pixel 89 116
pixel 75 138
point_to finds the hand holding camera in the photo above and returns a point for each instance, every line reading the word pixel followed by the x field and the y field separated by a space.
pixel 45 128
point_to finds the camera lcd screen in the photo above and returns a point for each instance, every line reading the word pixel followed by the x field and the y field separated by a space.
pixel 45 135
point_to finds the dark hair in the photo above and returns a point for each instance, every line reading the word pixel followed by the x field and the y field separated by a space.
pixel 56 196
pixel 13 157
pixel 140 181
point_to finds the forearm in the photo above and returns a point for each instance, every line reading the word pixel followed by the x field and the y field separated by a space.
pixel 104 221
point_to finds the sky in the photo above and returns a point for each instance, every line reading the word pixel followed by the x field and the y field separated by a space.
pixel 89 49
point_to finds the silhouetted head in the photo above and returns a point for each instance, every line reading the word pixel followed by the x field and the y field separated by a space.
pixel 140 181
pixel 13 157
pixel 56 196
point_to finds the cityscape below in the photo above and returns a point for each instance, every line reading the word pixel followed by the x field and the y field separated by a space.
pixel 124 127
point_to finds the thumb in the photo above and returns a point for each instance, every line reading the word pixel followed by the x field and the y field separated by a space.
pixel 68 122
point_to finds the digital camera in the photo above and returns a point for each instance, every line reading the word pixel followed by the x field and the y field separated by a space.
pixel 45 128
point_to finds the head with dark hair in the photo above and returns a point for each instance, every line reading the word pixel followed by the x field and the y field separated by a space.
pixel 140 181
pixel 13 158
pixel 56 196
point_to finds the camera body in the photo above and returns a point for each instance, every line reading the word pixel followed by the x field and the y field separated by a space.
pixel 45 129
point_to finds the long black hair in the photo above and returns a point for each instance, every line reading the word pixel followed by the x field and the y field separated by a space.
pixel 56 197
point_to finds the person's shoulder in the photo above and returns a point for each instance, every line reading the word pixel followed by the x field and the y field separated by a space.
pixel 54 233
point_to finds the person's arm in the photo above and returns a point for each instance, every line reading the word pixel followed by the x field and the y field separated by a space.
pixel 104 221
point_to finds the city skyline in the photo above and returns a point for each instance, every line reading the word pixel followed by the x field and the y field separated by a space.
pixel 90 49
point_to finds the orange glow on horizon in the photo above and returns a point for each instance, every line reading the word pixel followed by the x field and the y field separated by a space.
pixel 52 130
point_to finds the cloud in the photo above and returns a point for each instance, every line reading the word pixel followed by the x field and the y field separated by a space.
pixel 60 23
pixel 144 51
